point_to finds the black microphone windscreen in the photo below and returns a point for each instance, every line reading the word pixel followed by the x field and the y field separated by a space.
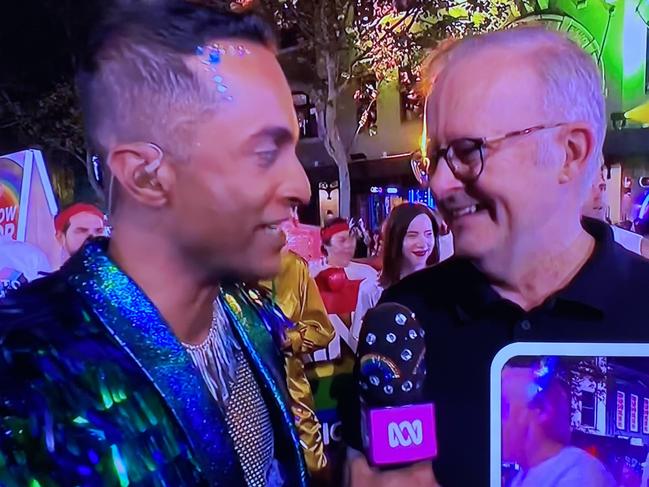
pixel 390 357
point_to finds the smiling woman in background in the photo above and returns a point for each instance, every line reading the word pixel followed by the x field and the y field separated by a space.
pixel 411 242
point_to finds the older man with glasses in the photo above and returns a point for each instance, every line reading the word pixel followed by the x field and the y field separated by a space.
pixel 516 122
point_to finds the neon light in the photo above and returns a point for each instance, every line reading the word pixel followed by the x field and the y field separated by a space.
pixel 644 207
pixel 634 46
pixel 633 421
pixel 392 190
pixel 620 407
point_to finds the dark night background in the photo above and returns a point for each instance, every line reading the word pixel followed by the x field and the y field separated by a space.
pixel 40 43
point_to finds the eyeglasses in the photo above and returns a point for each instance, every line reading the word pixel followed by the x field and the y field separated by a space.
pixel 465 157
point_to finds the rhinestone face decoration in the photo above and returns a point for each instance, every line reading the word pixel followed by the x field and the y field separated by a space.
pixel 388 389
pixel 370 339
pixel 374 380
pixel 391 337
pixel 400 319
pixel 406 386
pixel 212 55
pixel 412 334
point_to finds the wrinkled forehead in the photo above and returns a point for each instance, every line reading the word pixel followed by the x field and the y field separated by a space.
pixel 486 93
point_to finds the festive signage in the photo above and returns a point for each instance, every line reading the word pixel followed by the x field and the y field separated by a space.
pixel 620 410
pixel 10 280
pixel 633 410
pixel 27 203
pixel 11 180
pixel 645 416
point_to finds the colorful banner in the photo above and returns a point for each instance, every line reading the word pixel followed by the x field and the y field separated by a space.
pixel 633 410
pixel 11 179
pixel 27 203
pixel 620 422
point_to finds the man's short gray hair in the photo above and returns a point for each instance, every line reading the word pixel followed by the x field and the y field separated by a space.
pixel 572 80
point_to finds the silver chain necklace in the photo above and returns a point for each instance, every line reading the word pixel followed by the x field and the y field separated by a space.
pixel 215 357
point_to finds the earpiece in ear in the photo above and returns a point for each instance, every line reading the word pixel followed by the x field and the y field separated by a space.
pixel 148 174
pixel 154 165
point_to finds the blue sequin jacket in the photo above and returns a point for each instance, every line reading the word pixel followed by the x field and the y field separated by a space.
pixel 95 390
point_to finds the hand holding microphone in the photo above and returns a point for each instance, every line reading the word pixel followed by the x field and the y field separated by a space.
pixel 415 475
pixel 397 426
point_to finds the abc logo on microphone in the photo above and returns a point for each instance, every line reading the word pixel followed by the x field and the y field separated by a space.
pixel 405 433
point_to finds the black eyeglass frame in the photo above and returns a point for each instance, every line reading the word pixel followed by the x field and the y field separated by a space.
pixel 422 167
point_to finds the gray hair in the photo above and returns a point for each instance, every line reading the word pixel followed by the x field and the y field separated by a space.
pixel 572 80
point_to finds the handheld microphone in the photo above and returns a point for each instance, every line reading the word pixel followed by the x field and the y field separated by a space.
pixel 397 426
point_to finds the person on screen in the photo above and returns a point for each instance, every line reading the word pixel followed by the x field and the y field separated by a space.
pixel 76 224
pixel 512 156
pixel 596 206
pixel 536 432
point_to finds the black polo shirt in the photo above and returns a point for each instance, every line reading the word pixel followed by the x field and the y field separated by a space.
pixel 467 323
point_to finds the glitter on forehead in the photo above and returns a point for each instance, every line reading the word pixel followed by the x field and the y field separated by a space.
pixel 215 57
pixel 212 55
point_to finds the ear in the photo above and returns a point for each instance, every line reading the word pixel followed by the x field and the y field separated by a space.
pixel 578 145
pixel 60 238
pixel 138 168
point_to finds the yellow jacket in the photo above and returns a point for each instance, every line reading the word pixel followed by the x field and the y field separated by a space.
pixel 296 294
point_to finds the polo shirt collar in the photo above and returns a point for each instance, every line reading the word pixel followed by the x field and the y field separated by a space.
pixel 589 291
pixel 600 275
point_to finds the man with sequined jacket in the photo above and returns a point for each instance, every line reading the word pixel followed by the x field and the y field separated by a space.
pixel 137 363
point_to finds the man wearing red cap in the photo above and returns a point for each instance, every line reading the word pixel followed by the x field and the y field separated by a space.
pixel 75 224
pixel 338 279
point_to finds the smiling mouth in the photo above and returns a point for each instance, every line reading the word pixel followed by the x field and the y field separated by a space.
pixel 421 253
pixel 457 213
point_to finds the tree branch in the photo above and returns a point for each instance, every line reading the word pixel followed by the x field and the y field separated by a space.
pixel 390 30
